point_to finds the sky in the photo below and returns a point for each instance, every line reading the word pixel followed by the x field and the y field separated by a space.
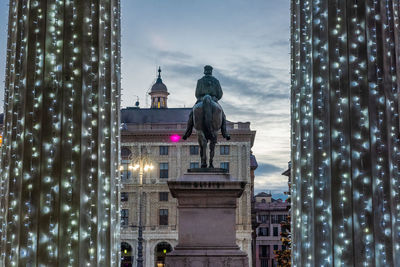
pixel 246 42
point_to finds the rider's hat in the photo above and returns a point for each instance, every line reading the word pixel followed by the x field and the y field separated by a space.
pixel 208 69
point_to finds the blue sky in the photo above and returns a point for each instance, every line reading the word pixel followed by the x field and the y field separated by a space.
pixel 247 43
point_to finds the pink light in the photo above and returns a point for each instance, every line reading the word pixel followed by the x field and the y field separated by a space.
pixel 175 138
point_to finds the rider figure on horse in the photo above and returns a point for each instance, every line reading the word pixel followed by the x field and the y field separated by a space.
pixel 208 85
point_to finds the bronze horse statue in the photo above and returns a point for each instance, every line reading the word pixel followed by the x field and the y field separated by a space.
pixel 207 119
pixel 207 116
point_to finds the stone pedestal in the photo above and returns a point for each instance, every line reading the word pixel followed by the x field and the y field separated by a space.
pixel 207 221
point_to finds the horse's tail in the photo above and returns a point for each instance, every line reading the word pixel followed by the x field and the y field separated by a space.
pixel 207 110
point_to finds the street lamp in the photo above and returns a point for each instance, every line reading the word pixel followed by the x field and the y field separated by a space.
pixel 141 164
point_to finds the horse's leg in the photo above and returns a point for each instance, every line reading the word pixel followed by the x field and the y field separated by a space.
pixel 203 148
pixel 212 148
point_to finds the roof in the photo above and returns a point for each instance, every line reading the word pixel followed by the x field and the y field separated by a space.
pixel 263 194
pixel 150 115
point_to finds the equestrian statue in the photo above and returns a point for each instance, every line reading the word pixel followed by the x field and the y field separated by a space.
pixel 207 116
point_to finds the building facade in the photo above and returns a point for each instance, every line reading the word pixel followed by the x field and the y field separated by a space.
pixel 269 214
pixel 152 152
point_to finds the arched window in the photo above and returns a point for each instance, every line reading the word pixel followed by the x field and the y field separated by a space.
pixel 263 200
pixel 125 152
pixel 160 252
pixel 126 255
pixel 126 174
pixel 125 161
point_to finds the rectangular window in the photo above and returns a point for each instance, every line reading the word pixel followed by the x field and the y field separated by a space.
pixel 124 217
pixel 224 165
pixel 163 216
pixel 163 196
pixel 163 170
pixel 194 165
pixel 264 263
pixel 264 218
pixel 275 247
pixel 275 219
pixel 125 172
pixel 124 196
pixel 263 231
pixel 282 218
pixel 163 150
pixel 194 150
pixel 224 150
pixel 275 231
pixel 264 251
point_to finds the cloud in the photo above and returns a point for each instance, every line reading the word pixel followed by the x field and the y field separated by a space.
pixel 253 113
pixel 245 98
pixel 247 87
pixel 184 71
pixel 267 168
pixel 175 56
pixel 281 43
pixel 275 182
pixel 266 88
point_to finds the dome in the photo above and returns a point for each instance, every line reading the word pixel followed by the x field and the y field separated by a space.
pixel 159 86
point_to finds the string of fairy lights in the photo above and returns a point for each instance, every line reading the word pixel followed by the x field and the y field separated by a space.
pixel 345 133
pixel 10 67
pixel 60 157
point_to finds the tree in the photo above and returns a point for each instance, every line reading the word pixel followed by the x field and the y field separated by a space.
pixel 283 257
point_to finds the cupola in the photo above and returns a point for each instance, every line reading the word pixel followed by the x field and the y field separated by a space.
pixel 159 93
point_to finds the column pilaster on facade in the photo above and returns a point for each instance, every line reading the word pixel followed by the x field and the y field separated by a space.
pixel 179 159
pixel 240 213
pixel 148 253
pixel 148 212
pixel 239 159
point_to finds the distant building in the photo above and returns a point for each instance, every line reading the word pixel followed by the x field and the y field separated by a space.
pixel 253 167
pixel 269 214
pixel 152 153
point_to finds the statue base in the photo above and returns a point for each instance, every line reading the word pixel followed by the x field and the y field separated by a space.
pixel 207 221
pixel 207 170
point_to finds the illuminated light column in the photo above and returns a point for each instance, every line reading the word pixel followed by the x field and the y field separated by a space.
pixel 59 191
pixel 345 132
